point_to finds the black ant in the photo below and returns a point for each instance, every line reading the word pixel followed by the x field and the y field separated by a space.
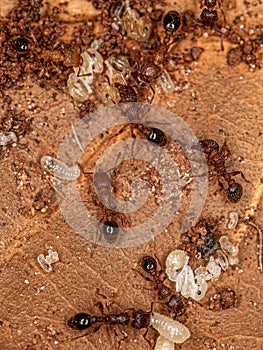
pixel 82 321
pixel 167 327
pixel 175 305
pixel 216 158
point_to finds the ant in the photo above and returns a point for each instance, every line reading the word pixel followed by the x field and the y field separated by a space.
pixel 21 45
pixel 82 321
pixel 68 58
pixel 129 95
pixel 209 16
pixel 167 327
pixel 216 158
pixel 175 305
pixel 152 68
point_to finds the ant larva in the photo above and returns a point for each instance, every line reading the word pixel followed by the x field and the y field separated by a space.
pixel 175 305
pixel 59 169
pixel 216 158
pixel 168 328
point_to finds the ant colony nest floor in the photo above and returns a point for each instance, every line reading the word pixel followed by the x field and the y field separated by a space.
pixel 65 63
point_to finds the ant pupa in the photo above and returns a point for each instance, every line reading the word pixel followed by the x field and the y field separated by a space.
pixel 46 262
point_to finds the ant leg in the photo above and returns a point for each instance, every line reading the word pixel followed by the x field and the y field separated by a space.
pixel 145 277
pixel 144 336
pixel 225 150
pixel 234 173
pixel 153 94
pixel 85 335
pixel 76 137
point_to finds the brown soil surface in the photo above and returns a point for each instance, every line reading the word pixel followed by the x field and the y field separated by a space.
pixel 216 100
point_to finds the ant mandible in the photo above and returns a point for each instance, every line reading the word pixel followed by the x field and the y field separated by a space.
pixel 216 158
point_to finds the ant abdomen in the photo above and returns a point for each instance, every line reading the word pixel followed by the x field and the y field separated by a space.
pixel 234 192
pixel 80 321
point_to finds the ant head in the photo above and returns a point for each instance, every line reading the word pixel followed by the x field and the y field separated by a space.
pixel 172 21
pixel 110 231
pixel 234 192
pixel 141 319
pixel 80 321
pixel 149 264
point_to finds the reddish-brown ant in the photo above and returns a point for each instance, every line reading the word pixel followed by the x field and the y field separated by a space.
pixel 68 58
pixel 151 68
pixel 128 95
pixel 216 158
pixel 209 16
pixel 175 305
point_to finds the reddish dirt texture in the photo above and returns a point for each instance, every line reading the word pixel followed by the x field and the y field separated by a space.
pixel 219 96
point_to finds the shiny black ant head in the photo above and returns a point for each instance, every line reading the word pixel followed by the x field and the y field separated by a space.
pixel 157 137
pixel 80 321
pixel 149 264
pixel 141 319
pixel 234 192
pixel 172 21
pixel 110 231
pixel 21 45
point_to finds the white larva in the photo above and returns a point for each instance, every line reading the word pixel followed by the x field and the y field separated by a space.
pixel 170 329
pixel 163 344
pixel 6 137
pixel 60 169
pixel 175 261
pixel 228 246
pixel 45 262
pixel 222 260
pixel 166 82
pixel 233 220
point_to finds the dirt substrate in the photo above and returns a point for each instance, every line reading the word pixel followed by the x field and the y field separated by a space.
pixel 218 94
